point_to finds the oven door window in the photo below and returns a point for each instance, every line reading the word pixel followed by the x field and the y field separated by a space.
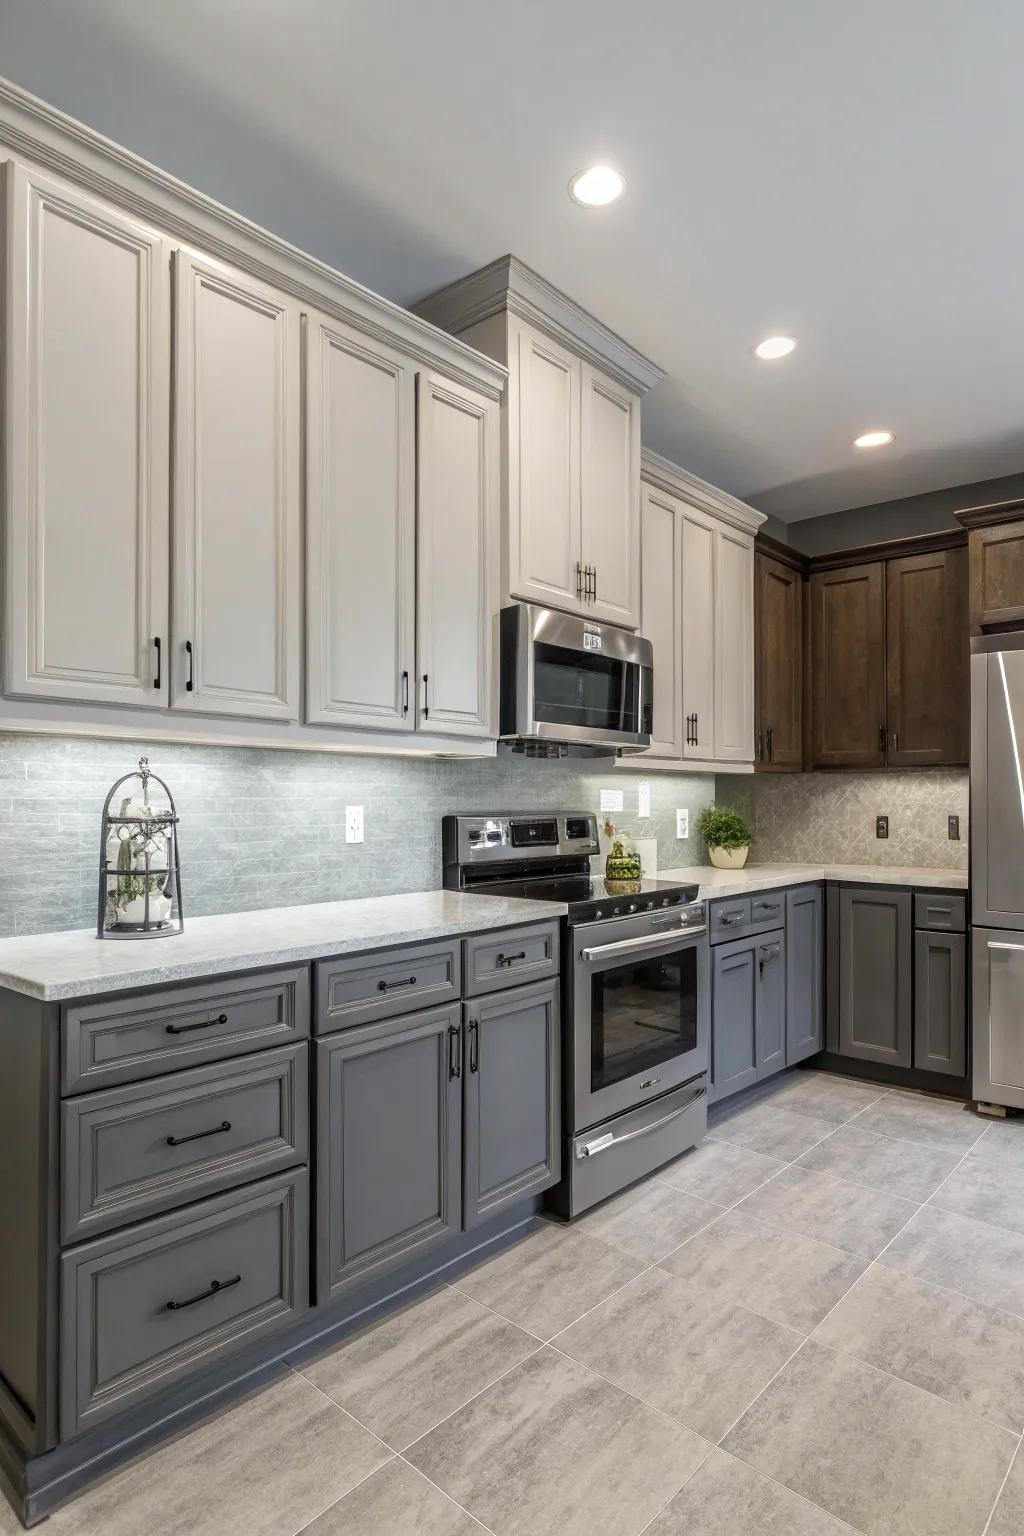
pixel 641 1015
pixel 585 688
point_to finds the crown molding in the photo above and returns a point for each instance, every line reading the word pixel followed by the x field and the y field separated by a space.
pixel 509 286
pixel 57 143
pixel 989 516
pixel 674 481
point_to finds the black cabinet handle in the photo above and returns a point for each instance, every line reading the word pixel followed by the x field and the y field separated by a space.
pixel 768 906
pixel 696 732
pixel 405 693
pixel 474 1046
pixel 768 742
pixel 185 1029
pixel 760 746
pixel 215 1287
pixel 217 1130
pixel 159 662
pixel 190 653
pixel 454 1051
pixel 426 711
pixel 389 986
pixel 511 959
pixel 594 592
pixel 579 579
pixel 895 741
pixel 881 738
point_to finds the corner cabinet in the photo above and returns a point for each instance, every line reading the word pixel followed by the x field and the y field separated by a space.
pixel 848 666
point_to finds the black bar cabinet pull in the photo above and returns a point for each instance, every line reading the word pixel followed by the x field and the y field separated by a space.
pixel 405 693
pixel 426 711
pixel 768 742
pixel 594 592
pixel 881 738
pixel 190 653
pixel 579 579
pixel 159 662
pixel 184 1029
pixel 474 1046
pixel 696 733
pixel 389 986
pixel 216 1130
pixel 454 1051
pixel 760 746
pixel 215 1287
pixel 511 959
pixel 895 741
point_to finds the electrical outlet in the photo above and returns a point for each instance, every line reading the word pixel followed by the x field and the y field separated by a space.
pixel 954 829
pixel 682 823
pixel 353 824
pixel 881 826
pixel 611 799
pixel 643 800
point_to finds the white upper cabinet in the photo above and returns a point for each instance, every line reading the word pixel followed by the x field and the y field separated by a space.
pixel 86 428
pixel 610 497
pixel 698 634
pixel 458 477
pixel 236 494
pixel 661 615
pixel 360 529
pixel 734 646
pixel 544 528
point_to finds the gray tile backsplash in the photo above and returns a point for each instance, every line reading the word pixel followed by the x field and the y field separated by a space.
pixel 266 828
pixel 817 818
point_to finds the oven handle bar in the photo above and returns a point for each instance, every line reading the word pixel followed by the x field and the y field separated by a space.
pixel 653 942
pixel 603 1143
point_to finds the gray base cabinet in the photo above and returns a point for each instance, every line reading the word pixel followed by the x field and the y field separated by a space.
pixel 805 981
pixel 748 1012
pixel 940 1002
pixel 875 953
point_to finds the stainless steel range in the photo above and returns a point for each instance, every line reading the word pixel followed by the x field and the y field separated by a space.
pixel 635 995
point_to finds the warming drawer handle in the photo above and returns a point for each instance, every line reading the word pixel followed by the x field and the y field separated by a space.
pixel 653 942
pixel 602 1144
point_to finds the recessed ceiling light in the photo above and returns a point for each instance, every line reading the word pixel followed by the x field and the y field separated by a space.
pixel 775 346
pixel 596 186
pixel 876 439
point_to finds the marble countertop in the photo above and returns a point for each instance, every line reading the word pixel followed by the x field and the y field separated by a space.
pixel 56 966
pixel 766 877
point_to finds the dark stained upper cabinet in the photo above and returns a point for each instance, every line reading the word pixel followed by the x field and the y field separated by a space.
pixel 848 666
pixel 996 535
pixel 928 659
pixel 778 664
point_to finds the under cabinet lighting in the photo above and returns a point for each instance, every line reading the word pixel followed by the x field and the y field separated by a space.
pixel 774 346
pixel 597 186
pixel 874 439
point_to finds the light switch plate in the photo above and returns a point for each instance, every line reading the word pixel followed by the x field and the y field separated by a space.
pixel 682 823
pixel 643 800
pixel 611 799
pixel 353 824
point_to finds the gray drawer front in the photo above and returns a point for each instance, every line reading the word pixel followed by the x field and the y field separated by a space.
pixel 729 919
pixel 934 909
pixel 511 957
pixel 125 1039
pixel 386 984
pixel 122 1341
pixel 135 1151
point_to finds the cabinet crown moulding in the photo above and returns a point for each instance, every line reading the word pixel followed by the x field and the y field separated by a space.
pixel 992 513
pixel 96 165
pixel 508 285
pixel 674 481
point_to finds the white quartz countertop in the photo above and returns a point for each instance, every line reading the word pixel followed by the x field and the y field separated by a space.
pixel 766 877
pixel 57 966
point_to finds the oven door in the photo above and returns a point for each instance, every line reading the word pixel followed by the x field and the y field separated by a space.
pixel 640 1014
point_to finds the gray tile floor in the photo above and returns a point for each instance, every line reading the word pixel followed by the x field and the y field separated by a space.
pixel 811 1324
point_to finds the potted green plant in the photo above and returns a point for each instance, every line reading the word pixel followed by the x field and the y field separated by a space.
pixel 727 836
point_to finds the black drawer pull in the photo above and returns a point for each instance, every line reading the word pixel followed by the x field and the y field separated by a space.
pixel 184 1029
pixel 216 1130
pixel 388 986
pixel 511 959
pixel 215 1286
pixel 454 1051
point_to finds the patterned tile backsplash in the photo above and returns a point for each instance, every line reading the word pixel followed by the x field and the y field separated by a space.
pixel 267 828
pixel 816 818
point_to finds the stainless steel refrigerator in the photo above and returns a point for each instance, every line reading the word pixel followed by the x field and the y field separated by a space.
pixel 997 867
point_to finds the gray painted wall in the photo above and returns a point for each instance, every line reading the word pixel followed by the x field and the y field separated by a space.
pixel 267 828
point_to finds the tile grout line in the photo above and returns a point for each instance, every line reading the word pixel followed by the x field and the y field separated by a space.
pixel 1002 1487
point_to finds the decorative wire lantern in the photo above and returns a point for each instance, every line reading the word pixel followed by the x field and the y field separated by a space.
pixel 140 880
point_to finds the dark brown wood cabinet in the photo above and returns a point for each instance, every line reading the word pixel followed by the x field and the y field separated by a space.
pixel 996 535
pixel 778 663
pixel 927 659
pixel 847 662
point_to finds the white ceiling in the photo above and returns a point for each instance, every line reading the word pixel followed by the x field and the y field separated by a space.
pixel 846 173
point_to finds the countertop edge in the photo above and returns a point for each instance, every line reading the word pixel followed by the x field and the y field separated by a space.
pixel 717 883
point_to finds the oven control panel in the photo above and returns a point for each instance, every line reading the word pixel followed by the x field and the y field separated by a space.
pixel 504 838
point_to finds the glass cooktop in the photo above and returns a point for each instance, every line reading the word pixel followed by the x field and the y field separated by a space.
pixel 590 900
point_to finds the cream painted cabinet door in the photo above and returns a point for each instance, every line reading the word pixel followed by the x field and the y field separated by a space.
pixel 544 550
pixel 734 646
pixel 458 440
pixel 610 497
pixel 697 589
pixel 360 529
pixel 661 615
pixel 236 523
pixel 86 381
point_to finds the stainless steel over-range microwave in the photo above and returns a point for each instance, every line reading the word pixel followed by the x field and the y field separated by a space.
pixel 566 681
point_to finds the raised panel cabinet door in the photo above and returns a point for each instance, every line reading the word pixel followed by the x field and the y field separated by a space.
pixel 847 663
pixel 661 615
pixel 734 646
pixel 360 528
pixel 875 960
pixel 512 1059
pixel 805 962
pixel 697 592
pixel 997 1040
pixel 940 1002
pixel 779 669
pixel 457 537
pixel 997 577
pixel 236 523
pixel 389 1153
pixel 770 1024
pixel 927 659
pixel 544 523
pixel 733 1017
pixel 610 497
pixel 86 378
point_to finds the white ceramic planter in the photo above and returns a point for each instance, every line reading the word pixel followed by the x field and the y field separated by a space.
pixel 728 858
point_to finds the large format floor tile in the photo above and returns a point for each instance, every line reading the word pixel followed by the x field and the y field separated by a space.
pixel 1008 1515
pixel 849 1216
pixel 960 1350
pixel 934 1122
pixel 823 1096
pixel 774 1132
pixel 720 1171
pixel 1002 1142
pixel 549 1279
pixel 402 1376
pixel 269 1465
pixel 553 1448
pixel 902 1168
pixel 648 1221
pixel 695 1355
pixel 396 1501
pixel 985 1191
pixel 890 1459
pixel 788 1279
pixel 982 1261
pixel 725 1497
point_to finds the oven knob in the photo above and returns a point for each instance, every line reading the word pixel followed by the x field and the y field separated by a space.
pixel 598 913
pixel 664 901
pixel 616 911
pixel 631 907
